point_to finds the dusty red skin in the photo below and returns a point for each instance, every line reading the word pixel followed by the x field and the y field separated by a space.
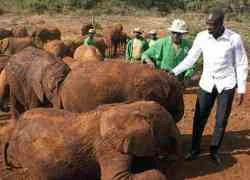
pixel 56 144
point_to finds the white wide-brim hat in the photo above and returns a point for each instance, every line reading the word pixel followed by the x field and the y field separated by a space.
pixel 137 30
pixel 178 26
pixel 152 32
pixel 91 31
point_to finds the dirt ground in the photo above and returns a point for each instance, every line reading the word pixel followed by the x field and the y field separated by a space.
pixel 235 150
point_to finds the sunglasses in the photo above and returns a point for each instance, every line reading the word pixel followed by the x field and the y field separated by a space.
pixel 177 33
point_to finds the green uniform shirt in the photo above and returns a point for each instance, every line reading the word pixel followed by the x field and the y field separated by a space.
pixel 129 50
pixel 90 42
pixel 166 56
pixel 151 42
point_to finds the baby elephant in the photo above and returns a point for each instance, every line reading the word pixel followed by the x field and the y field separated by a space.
pixel 102 144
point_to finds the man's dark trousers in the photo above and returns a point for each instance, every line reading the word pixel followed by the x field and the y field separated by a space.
pixel 204 105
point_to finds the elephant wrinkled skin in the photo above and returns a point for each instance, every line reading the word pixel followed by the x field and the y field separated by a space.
pixel 88 85
pixel 55 144
pixel 86 53
pixel 13 45
pixel 91 84
pixel 24 73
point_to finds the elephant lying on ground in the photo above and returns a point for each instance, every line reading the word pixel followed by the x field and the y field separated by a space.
pixel 89 84
pixel 55 144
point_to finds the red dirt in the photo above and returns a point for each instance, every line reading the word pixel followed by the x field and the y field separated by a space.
pixel 235 149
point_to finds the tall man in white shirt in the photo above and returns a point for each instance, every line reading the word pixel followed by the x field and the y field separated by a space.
pixel 225 68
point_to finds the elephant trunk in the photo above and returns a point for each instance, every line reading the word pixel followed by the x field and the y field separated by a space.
pixel 148 175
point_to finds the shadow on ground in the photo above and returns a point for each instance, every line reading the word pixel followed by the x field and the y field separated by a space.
pixel 234 143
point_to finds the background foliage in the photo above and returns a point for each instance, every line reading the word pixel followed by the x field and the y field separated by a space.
pixel 125 6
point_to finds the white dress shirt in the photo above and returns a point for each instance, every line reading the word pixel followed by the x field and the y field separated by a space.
pixel 225 62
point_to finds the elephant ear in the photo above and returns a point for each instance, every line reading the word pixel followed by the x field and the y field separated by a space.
pixel 35 78
pixel 167 135
pixel 140 143
pixel 53 76
pixel 4 45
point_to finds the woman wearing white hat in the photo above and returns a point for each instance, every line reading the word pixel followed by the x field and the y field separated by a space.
pixel 168 52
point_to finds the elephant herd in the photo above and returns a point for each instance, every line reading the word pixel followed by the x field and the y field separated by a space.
pixel 89 119
pixel 50 39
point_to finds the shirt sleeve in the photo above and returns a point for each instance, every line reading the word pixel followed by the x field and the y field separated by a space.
pixel 153 53
pixel 191 58
pixel 189 72
pixel 241 65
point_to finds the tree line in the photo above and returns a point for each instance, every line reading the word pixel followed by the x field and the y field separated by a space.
pixel 237 6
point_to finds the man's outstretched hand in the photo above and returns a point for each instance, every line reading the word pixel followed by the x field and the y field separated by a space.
pixel 170 72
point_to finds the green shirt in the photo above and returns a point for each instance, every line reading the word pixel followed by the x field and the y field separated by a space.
pixel 90 42
pixel 151 42
pixel 129 50
pixel 166 56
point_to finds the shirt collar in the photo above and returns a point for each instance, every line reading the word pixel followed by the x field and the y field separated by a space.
pixel 225 35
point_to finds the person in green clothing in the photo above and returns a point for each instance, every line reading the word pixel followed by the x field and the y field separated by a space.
pixel 169 51
pixel 90 40
pixel 152 38
pixel 136 47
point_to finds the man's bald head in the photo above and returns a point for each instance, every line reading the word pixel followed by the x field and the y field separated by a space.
pixel 217 15
pixel 215 22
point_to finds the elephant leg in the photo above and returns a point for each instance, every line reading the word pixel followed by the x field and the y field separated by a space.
pixel 115 49
pixel 111 50
pixel 116 166
pixel 34 101
pixel 16 107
